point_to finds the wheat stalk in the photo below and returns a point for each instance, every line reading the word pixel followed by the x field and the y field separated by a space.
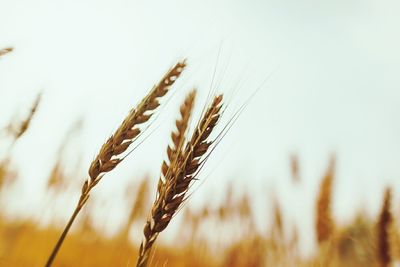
pixel 185 162
pixel 109 155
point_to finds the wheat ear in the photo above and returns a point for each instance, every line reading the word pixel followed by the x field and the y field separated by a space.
pixel 109 155
pixel 6 51
pixel 324 223
pixel 139 206
pixel 383 239
pixel 185 162
pixel 20 129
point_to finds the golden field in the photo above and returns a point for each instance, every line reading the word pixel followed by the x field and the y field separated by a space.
pixel 365 241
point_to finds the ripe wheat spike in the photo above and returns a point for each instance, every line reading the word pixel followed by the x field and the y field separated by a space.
pixel 22 126
pixel 384 221
pixel 324 222
pixel 185 162
pixel 6 51
pixel 109 155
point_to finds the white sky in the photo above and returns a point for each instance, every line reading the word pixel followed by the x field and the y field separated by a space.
pixel 335 87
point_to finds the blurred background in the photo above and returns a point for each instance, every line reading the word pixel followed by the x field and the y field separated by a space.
pixel 326 84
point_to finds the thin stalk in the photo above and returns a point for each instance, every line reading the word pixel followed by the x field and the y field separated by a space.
pixel 63 235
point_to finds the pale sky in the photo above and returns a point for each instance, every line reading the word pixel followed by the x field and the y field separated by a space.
pixel 333 85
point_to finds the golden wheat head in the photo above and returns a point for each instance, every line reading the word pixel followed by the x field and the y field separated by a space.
pixel 6 51
pixel 109 155
pixel 324 222
pixel 383 240
pixel 184 164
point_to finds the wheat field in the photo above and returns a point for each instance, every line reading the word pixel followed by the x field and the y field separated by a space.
pixel 363 241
